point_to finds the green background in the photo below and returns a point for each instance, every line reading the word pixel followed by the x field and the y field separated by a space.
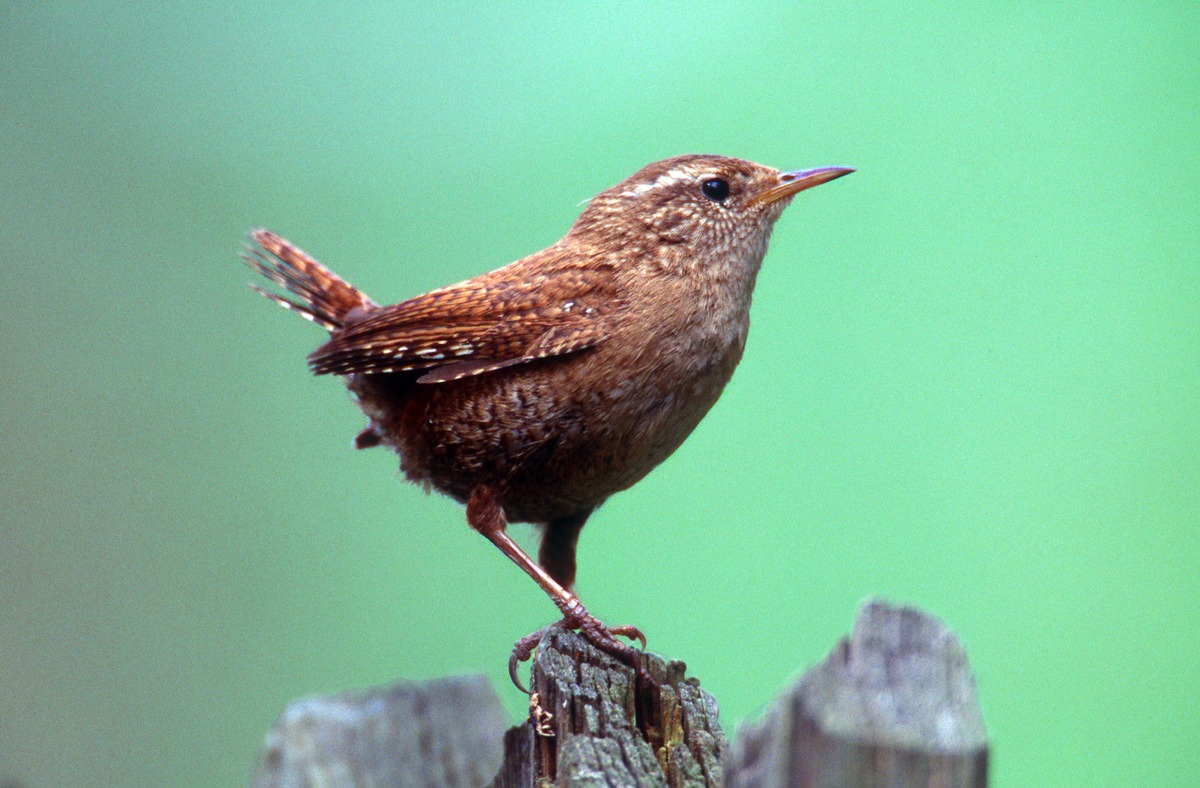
pixel 972 382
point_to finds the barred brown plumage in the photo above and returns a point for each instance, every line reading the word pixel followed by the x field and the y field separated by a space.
pixel 328 298
pixel 534 392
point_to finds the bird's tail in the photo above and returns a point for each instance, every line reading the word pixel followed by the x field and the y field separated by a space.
pixel 324 297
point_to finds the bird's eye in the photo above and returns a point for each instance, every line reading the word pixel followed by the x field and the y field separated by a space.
pixel 715 189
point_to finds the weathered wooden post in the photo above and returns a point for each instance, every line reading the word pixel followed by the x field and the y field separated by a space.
pixel 893 705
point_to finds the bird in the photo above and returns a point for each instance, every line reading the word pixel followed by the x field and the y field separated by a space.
pixel 534 392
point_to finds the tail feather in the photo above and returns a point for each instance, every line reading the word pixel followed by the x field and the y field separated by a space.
pixel 323 296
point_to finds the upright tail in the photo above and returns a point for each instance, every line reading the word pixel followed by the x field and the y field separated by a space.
pixel 324 297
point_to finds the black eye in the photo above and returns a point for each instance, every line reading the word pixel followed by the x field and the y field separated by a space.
pixel 715 189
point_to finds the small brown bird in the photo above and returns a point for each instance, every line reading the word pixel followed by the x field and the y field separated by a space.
pixel 534 392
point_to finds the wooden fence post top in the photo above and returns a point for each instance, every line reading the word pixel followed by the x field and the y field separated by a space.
pixel 590 717
pixel 892 705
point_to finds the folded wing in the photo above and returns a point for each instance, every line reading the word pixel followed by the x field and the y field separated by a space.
pixel 488 323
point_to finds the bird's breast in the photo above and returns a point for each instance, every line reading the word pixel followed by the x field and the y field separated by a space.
pixel 562 434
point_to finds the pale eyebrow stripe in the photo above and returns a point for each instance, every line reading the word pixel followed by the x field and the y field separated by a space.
pixel 668 178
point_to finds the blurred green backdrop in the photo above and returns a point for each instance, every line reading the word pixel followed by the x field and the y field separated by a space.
pixel 972 384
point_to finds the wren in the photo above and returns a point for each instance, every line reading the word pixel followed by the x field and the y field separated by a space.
pixel 534 392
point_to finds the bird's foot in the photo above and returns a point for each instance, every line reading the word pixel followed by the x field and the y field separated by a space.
pixel 599 635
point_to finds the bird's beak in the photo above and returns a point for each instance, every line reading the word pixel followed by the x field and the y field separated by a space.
pixel 793 182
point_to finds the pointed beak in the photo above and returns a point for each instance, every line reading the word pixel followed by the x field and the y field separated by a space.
pixel 791 183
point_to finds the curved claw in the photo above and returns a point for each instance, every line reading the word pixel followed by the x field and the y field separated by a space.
pixel 602 637
pixel 631 632
pixel 513 661
pixel 523 650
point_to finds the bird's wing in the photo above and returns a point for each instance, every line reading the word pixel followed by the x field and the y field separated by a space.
pixel 484 324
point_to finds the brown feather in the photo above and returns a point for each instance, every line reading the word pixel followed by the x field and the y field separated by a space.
pixel 608 348
pixel 477 326
pixel 325 298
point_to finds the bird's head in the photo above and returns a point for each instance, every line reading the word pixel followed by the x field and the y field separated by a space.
pixel 697 209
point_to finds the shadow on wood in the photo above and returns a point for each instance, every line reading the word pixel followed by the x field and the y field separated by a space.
pixel 592 725
pixel 892 705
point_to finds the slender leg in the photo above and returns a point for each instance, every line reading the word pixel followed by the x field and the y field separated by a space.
pixel 486 515
pixel 557 552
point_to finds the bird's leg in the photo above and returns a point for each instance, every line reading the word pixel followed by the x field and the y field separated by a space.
pixel 486 515
pixel 556 554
